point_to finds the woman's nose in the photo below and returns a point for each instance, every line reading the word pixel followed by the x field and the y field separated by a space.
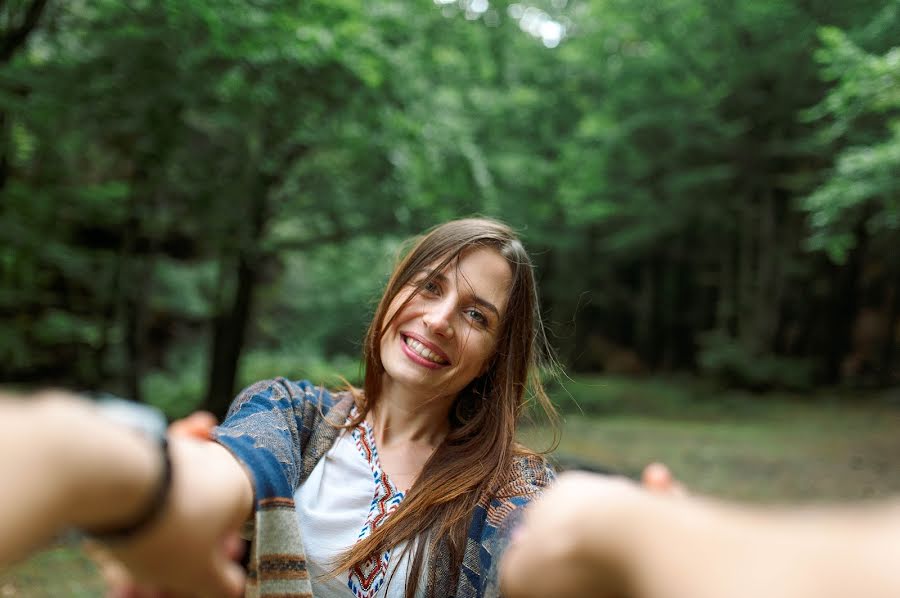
pixel 438 318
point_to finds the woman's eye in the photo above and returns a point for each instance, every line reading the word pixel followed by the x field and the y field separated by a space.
pixel 477 316
pixel 430 286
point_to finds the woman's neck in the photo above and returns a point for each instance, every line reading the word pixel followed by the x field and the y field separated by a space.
pixel 404 417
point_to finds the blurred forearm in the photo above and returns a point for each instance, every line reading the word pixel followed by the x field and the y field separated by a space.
pixel 706 549
pixel 608 538
pixel 64 465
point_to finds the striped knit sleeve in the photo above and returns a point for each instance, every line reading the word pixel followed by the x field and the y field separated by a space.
pixel 267 428
pixel 493 525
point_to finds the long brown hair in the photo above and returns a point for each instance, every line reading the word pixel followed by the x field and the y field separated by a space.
pixel 475 458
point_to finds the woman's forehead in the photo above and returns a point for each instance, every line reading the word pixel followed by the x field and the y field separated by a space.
pixel 482 270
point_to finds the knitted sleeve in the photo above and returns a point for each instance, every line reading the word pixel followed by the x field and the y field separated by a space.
pixel 267 428
pixel 492 524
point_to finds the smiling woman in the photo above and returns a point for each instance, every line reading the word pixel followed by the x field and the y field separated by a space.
pixel 446 322
pixel 409 485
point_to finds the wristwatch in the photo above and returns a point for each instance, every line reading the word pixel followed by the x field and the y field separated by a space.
pixel 151 423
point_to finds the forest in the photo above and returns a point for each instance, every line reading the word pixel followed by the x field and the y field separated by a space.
pixel 198 193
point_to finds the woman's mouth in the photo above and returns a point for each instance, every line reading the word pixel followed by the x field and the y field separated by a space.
pixel 418 349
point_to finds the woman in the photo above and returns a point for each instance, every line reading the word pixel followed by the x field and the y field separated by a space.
pixel 412 484
pixel 407 486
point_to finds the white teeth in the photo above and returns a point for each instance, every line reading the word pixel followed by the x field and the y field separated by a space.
pixel 423 351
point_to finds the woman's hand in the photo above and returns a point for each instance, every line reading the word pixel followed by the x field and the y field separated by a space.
pixel 119 580
pixel 591 535
pixel 198 425
pixel 190 551
pixel 73 467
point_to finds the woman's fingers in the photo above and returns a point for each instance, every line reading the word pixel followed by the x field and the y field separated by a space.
pixel 198 425
pixel 119 582
pixel 658 478
pixel 227 578
pixel 234 547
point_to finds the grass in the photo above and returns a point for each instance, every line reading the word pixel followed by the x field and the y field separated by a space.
pixel 759 448
pixel 61 571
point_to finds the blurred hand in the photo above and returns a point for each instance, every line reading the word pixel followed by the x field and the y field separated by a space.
pixel 120 581
pixel 568 544
pixel 198 424
pixel 190 550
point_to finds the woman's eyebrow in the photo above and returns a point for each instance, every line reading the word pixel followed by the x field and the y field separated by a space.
pixel 442 278
pixel 487 305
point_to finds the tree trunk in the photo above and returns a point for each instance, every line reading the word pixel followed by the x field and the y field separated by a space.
pixel 727 293
pixel 132 286
pixel 645 312
pixel 229 328
pixel 134 314
pixel 5 143
pixel 669 311
pixel 769 286
pixel 744 298
pixel 230 325
pixel 888 373
pixel 844 305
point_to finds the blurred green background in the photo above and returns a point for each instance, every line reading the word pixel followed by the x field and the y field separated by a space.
pixel 196 194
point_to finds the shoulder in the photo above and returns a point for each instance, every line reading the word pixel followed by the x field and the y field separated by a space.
pixel 283 393
pixel 278 428
pixel 529 474
pixel 495 517
pixel 528 477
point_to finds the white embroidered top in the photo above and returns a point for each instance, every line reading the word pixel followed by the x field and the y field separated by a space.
pixel 343 499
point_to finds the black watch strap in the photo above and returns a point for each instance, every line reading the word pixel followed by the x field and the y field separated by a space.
pixel 151 423
pixel 154 507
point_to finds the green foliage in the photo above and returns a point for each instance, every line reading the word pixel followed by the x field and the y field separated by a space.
pixel 606 395
pixel 300 364
pixel 728 361
pixel 176 171
pixel 863 183
pixel 178 390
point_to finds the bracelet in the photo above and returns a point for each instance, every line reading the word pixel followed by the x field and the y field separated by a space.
pixel 150 423
pixel 154 507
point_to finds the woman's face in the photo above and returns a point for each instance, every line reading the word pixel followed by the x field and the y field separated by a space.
pixel 446 334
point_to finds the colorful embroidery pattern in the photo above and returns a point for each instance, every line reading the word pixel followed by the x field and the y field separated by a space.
pixel 365 581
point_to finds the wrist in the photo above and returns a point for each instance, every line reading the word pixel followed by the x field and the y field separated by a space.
pixel 612 543
pixel 108 472
pixel 149 423
pixel 657 538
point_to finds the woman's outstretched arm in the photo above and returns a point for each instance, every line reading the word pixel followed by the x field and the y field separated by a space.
pixel 599 536
pixel 64 465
